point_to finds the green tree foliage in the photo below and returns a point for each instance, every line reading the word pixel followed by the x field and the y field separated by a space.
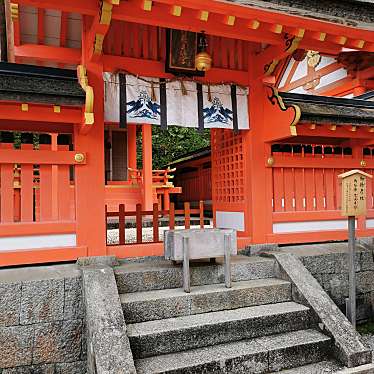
pixel 169 145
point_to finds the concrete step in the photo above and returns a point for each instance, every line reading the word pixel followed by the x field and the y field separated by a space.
pixel 261 355
pixel 328 367
pixel 160 304
pixel 322 367
pixel 169 335
pixel 159 274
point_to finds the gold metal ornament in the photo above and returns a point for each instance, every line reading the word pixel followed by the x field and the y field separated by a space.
pixel 14 11
pixel 203 61
pixel 79 157
pixel 313 58
pixel 270 161
pixel 363 163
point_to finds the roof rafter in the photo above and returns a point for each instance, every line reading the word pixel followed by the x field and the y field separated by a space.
pixel 99 29
pixel 88 7
pixel 131 11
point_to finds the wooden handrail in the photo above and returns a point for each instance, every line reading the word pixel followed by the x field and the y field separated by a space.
pixel 155 214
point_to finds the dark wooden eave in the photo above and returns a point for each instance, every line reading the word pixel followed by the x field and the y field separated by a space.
pixel 356 60
pixel 369 96
pixel 191 156
pixel 356 13
pixel 34 84
pixel 332 110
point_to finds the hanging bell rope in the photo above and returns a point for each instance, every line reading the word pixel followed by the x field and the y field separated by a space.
pixel 223 83
pixel 183 89
pixel 209 93
pixel 153 92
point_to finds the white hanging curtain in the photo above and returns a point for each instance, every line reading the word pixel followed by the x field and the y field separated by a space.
pixel 182 104
pixel 176 103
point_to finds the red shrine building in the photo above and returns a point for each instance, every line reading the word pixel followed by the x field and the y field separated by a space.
pixel 286 96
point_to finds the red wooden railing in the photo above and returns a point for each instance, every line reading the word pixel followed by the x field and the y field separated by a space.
pixel 306 188
pixel 155 215
pixel 35 185
pixel 37 199
pixel 160 178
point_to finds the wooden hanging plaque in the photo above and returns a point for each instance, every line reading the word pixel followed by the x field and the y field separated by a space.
pixel 354 193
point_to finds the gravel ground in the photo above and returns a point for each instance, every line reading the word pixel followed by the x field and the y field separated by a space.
pixel 130 234
pixel 368 340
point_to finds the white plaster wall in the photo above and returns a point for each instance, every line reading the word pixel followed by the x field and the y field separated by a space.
pixel 230 220
pixel 37 241
pixel 308 226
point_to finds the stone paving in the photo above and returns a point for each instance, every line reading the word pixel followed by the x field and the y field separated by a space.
pixel 130 234
pixel 368 340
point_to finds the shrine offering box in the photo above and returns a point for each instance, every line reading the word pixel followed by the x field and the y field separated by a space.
pixel 203 243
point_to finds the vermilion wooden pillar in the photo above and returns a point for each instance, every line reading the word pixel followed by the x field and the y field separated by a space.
pixel 131 146
pixel 147 167
pixel 89 178
pixel 259 183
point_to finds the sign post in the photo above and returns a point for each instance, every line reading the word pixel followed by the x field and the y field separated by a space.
pixel 353 205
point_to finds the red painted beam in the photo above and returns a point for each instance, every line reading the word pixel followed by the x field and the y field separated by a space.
pixel 151 68
pixel 36 112
pixel 39 157
pixel 35 126
pixel 341 132
pixel 112 63
pixel 49 53
pixel 41 255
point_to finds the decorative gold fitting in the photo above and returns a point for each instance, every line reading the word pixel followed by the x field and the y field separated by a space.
pixel 98 43
pixel 25 107
pixel 106 13
pixel 270 161
pixel 230 20
pixel 14 11
pixel 176 10
pixel 363 163
pixel 79 157
pixel 147 5
pixel 276 28
pixel 56 109
pixel 204 15
pixel 254 24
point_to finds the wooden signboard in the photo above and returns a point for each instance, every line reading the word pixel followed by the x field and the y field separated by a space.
pixel 181 50
pixel 354 193
pixel 353 205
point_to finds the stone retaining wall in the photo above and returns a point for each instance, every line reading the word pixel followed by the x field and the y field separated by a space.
pixel 42 321
pixel 328 263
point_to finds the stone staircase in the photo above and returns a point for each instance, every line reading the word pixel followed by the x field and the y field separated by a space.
pixel 254 327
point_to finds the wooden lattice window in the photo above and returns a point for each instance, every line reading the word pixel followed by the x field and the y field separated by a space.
pixel 228 166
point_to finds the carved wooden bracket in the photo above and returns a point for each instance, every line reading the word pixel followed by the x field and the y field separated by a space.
pixel 105 18
pixel 291 45
pixel 280 119
pixel 83 81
